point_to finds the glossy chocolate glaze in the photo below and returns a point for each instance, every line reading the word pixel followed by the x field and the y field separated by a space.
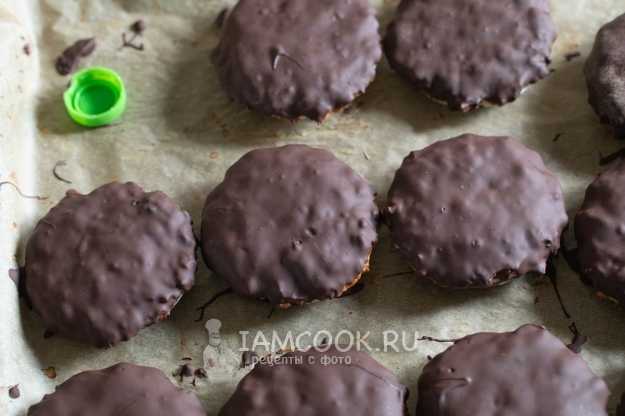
pixel 466 52
pixel 600 233
pixel 605 74
pixel 528 372
pixel 100 267
pixel 475 211
pixel 123 389
pixel 289 225
pixel 363 387
pixel 298 58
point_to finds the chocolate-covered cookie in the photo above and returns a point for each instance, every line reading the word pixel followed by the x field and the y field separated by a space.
pixel 100 267
pixel 298 58
pixel 528 372
pixel 289 225
pixel 466 53
pixel 600 233
pixel 474 212
pixel 605 77
pixel 123 389
pixel 331 383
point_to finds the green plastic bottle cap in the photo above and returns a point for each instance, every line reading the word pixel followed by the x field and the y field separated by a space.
pixel 95 97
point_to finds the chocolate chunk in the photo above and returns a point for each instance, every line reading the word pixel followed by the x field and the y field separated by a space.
pixel 527 372
pixel 295 59
pixel 14 391
pixel 67 62
pixel 600 233
pixel 125 389
pixel 319 383
pixel 604 74
pixel 275 226
pixel 102 266
pixel 475 211
pixel 466 53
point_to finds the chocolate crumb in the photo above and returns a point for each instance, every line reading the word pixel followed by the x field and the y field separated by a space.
pixel 57 165
pixel 221 18
pixel 138 27
pixel 200 373
pixel 185 370
pixel 50 372
pixel 572 55
pixel 556 137
pixel 14 391
pixel 26 49
pixel 67 62
pixel 248 358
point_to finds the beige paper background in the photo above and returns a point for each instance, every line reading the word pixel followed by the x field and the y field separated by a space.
pixel 179 135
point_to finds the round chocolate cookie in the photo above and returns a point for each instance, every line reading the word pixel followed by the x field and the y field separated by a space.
pixel 605 76
pixel 600 233
pixel 290 225
pixel 123 389
pixel 466 53
pixel 318 383
pixel 475 212
pixel 299 58
pixel 528 372
pixel 100 267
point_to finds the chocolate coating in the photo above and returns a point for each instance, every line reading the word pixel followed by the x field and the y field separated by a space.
pixel 465 52
pixel 298 58
pixel 475 211
pixel 357 385
pixel 605 76
pixel 600 233
pixel 100 267
pixel 528 372
pixel 289 224
pixel 123 389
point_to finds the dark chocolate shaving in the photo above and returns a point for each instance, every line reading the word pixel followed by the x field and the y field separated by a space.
pixel 57 165
pixel 221 18
pixel 605 160
pixel 572 55
pixel 557 137
pixel 212 300
pixel 14 391
pixel 578 340
pixel 128 43
pixel 67 62
pixel 19 191
pixel 248 358
pixel 552 274
pixel 425 338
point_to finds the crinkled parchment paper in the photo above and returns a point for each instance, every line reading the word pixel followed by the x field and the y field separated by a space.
pixel 179 135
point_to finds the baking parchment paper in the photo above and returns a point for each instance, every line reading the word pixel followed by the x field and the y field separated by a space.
pixel 179 135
